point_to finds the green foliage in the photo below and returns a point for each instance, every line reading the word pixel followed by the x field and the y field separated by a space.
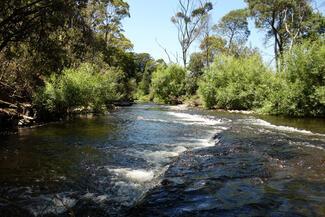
pixel 47 36
pixel 145 66
pixel 144 85
pixel 286 22
pixel 235 83
pixel 43 42
pixel 85 86
pixel 211 46
pixel 196 64
pixel 234 27
pixel 301 85
pixel 168 84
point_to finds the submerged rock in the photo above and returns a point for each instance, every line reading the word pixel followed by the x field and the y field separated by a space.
pixel 233 178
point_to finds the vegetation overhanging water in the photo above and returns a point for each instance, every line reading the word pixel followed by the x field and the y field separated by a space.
pixel 62 57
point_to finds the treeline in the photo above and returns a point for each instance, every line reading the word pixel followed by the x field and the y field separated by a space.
pixel 62 56
pixel 57 56
pixel 227 74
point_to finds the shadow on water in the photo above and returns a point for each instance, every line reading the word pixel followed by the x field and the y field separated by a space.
pixel 150 160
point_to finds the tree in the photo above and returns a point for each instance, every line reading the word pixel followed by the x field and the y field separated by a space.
pixel 196 67
pixel 189 21
pixel 234 27
pixel 20 20
pixel 296 14
pixel 314 27
pixel 39 38
pixel 206 34
pixel 284 20
pixel 210 47
pixel 168 84
pixel 235 83
pixel 300 87
pixel 196 64
pixel 105 16
pixel 145 66
pixel 141 60
pixel 268 15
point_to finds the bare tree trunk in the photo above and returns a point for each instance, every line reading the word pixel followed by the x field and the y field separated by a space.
pixel 184 56
pixel 189 25
pixel 276 54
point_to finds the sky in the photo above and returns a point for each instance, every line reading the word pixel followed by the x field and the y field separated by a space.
pixel 150 25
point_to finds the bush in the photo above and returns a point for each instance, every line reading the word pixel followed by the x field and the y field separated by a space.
pixel 168 84
pixel 85 86
pixel 301 84
pixel 236 83
pixel 143 88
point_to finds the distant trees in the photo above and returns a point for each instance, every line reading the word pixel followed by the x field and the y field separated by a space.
pixel 233 27
pixel 168 84
pixel 189 21
pixel 145 66
pixel 211 46
pixel 62 55
pixel 238 78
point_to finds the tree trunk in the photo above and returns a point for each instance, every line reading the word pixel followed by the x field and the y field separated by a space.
pixel 184 53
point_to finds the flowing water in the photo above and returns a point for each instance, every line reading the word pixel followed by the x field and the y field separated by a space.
pixel 150 160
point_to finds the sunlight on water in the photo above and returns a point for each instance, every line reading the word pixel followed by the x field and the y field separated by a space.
pixel 165 157
pixel 195 119
pixel 134 175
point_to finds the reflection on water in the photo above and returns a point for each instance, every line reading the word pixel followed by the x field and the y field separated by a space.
pixel 150 160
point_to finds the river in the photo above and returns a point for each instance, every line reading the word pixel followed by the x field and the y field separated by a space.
pixel 154 160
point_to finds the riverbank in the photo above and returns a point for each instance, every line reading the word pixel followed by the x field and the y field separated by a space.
pixel 17 116
pixel 11 119
pixel 195 102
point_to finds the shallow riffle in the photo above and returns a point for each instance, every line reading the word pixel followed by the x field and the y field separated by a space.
pixel 150 160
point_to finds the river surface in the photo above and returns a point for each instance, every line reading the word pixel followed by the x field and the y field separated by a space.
pixel 151 160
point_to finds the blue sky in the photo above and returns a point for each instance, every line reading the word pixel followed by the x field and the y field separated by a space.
pixel 150 22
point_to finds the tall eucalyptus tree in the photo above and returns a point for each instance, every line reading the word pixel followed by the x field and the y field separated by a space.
pixel 190 21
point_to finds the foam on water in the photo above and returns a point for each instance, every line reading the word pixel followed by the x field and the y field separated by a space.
pixel 155 120
pixel 314 146
pixel 162 156
pixel 306 144
pixel 135 181
pixel 259 122
pixel 181 107
pixel 191 119
pixel 139 176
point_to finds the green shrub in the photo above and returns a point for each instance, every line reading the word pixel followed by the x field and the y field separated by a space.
pixel 301 84
pixel 85 86
pixel 235 83
pixel 168 84
pixel 143 88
